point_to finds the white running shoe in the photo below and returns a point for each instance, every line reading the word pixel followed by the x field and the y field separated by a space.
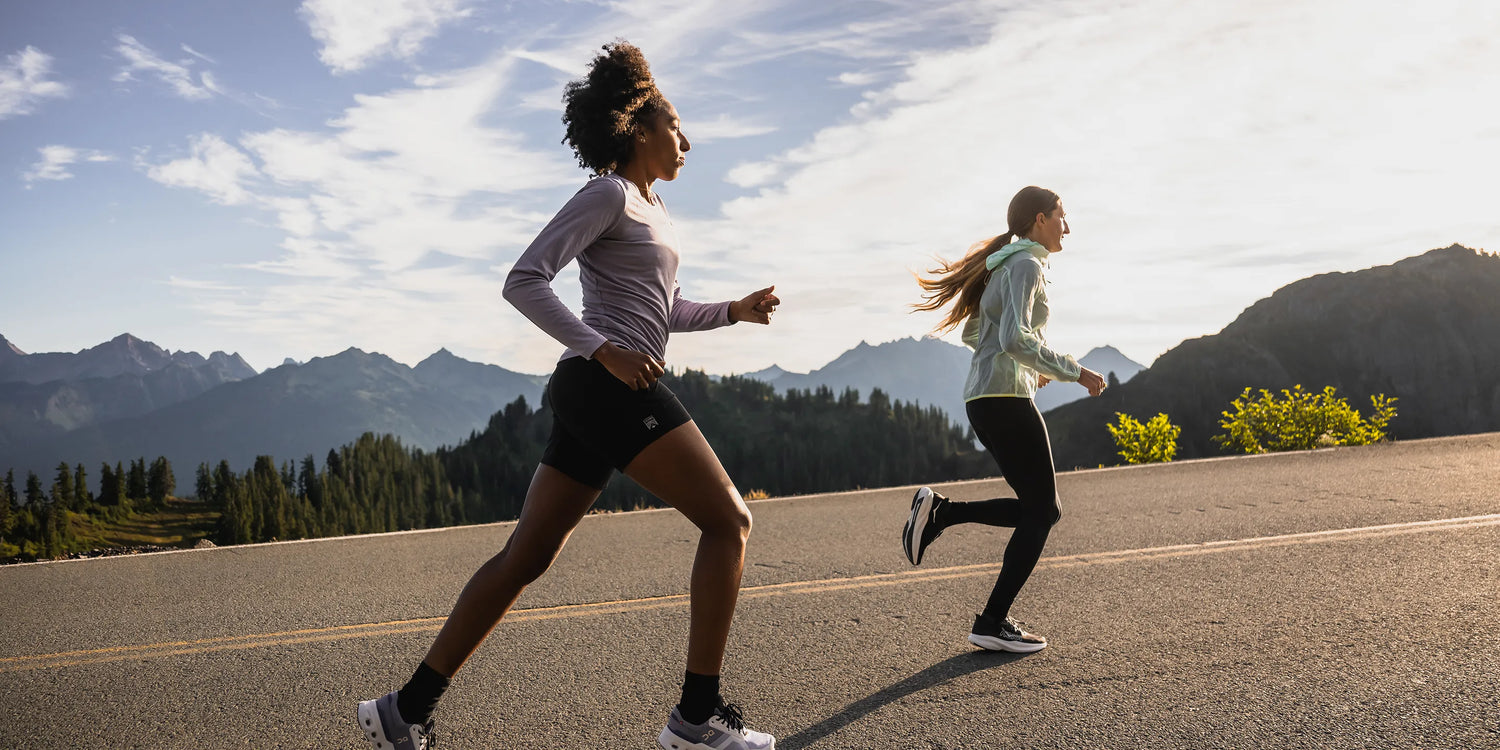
pixel 724 730
pixel 383 726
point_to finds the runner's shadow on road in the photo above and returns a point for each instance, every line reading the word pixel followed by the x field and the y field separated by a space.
pixel 937 674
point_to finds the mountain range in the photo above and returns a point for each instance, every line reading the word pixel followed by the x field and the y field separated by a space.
pixel 929 371
pixel 130 398
pixel 1425 329
pixel 46 395
pixel 287 412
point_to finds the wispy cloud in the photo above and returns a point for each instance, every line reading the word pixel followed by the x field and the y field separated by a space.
pixel 214 167
pixel 199 55
pixel 723 128
pixel 356 32
pixel 1178 147
pixel 24 82
pixel 177 75
pixel 55 161
pixel 887 133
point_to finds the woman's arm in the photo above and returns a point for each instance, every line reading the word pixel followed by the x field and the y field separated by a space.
pixel 1009 306
pixel 586 217
pixel 687 315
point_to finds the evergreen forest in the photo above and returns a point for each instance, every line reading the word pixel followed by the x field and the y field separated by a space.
pixel 771 444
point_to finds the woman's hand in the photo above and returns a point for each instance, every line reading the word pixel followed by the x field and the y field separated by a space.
pixel 757 307
pixel 1092 381
pixel 633 368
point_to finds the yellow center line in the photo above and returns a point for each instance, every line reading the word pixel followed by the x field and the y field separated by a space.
pixel 822 585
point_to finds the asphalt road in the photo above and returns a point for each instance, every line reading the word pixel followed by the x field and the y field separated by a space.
pixel 1344 598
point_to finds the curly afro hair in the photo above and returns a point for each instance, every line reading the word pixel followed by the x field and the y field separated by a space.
pixel 602 110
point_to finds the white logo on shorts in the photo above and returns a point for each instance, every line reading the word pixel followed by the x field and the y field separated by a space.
pixel 650 422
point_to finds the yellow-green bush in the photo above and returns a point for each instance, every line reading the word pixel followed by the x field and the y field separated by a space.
pixel 1299 420
pixel 1151 443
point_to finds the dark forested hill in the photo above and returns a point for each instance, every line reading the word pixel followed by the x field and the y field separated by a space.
pixel 1425 330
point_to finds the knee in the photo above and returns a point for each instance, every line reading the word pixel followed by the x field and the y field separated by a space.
pixel 1051 513
pixel 1045 513
pixel 731 519
pixel 523 567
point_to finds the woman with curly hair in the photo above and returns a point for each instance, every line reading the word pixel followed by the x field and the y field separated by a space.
pixel 610 411
pixel 998 291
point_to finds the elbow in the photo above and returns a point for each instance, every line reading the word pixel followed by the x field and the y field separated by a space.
pixel 514 283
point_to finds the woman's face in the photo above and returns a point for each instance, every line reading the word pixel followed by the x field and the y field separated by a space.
pixel 662 146
pixel 1049 229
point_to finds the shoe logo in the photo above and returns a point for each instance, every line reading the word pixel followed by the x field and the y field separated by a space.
pixel 709 734
pixel 650 422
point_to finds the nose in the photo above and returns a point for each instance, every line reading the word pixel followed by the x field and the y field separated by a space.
pixel 683 141
pixel 1066 228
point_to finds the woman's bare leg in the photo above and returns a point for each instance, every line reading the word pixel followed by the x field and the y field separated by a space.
pixel 555 503
pixel 682 470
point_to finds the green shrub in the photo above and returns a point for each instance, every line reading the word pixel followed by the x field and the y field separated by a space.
pixel 1151 443
pixel 1299 420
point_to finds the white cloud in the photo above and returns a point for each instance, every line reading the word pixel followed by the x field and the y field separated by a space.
pixel 141 59
pixel 752 174
pixel 1180 149
pixel 215 167
pixel 199 55
pixel 356 32
pixel 1191 142
pixel 723 128
pixel 23 82
pixel 55 160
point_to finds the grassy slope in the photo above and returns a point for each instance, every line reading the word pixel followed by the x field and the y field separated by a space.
pixel 180 524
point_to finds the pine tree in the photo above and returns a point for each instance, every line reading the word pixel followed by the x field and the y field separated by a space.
pixel 8 504
pixel 62 487
pixel 135 485
pixel 111 486
pixel 160 484
pixel 34 495
pixel 205 483
pixel 81 493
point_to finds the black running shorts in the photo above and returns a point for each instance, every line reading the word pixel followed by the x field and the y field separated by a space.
pixel 599 424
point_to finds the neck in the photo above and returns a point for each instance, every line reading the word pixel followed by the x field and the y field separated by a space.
pixel 637 174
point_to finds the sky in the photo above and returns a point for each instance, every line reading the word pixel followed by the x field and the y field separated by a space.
pixel 285 179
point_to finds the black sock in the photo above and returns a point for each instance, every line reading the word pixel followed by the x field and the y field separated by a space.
pixel 420 695
pixel 700 696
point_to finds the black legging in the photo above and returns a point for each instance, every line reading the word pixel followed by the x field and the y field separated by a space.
pixel 1013 431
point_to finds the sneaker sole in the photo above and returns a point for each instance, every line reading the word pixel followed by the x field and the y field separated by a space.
pixel 368 718
pixel 921 510
pixel 991 643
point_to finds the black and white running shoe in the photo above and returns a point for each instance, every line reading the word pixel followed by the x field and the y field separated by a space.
pixel 1004 635
pixel 921 527
pixel 383 726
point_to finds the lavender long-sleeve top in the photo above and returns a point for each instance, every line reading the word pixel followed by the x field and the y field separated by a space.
pixel 627 256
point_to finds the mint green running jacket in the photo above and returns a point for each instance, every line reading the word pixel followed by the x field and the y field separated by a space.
pixel 1010 349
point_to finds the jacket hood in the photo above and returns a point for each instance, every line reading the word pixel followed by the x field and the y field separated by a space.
pixel 1019 246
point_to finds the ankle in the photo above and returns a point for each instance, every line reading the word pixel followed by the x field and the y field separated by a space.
pixel 700 696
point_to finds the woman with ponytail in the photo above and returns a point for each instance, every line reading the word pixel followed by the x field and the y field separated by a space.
pixel 610 411
pixel 998 293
